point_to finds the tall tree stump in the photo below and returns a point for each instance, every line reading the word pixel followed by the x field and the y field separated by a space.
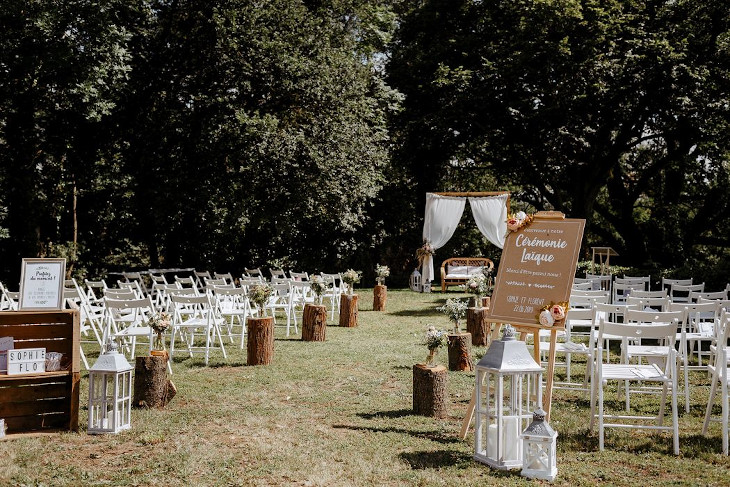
pixel 314 323
pixel 380 296
pixel 348 310
pixel 429 390
pixel 460 352
pixel 260 346
pixel 486 302
pixel 478 326
pixel 152 388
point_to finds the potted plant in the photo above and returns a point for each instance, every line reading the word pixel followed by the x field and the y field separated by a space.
pixel 318 287
pixel 381 272
pixel 259 295
pixel 479 285
pixel 434 339
pixel 455 309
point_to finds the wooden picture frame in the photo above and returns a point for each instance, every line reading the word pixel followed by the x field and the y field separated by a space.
pixel 41 284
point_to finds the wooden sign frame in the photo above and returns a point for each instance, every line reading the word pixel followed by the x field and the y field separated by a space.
pixel 41 284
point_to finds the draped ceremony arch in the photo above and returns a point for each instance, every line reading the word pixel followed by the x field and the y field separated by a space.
pixel 444 211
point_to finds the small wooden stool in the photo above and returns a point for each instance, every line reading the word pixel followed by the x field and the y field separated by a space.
pixel 348 310
pixel 260 346
pixel 429 390
pixel 314 323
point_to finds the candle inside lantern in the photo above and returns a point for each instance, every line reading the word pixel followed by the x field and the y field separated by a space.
pixel 510 439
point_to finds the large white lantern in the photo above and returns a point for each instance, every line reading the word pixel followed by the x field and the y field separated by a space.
pixel 508 389
pixel 539 442
pixel 110 393
pixel 416 281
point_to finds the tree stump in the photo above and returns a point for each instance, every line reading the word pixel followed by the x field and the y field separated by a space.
pixel 348 310
pixel 314 323
pixel 152 388
pixel 478 326
pixel 486 302
pixel 429 390
pixel 460 352
pixel 380 296
pixel 260 346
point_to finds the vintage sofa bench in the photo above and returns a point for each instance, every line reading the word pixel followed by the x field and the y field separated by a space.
pixel 457 270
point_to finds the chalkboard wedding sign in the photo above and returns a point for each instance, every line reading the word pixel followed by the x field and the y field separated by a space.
pixel 41 284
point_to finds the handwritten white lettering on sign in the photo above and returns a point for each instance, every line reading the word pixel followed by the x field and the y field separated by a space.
pixel 26 361
pixel 41 286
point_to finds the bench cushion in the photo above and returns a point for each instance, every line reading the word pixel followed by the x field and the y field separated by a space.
pixel 457 270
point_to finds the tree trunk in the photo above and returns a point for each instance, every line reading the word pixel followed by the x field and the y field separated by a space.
pixel 348 310
pixel 429 390
pixel 260 346
pixel 478 326
pixel 380 296
pixel 152 388
pixel 314 323
pixel 460 352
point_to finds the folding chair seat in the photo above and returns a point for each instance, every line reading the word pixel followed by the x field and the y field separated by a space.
pixel 193 315
pixel 644 374
pixel 718 368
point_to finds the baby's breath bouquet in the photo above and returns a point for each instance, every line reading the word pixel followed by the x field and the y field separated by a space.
pixel 259 295
pixel 479 286
pixel 381 272
pixel 434 339
pixel 318 286
pixel 455 309
pixel 350 277
pixel 159 322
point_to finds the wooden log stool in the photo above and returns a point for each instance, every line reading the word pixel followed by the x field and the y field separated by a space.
pixel 429 390
pixel 478 326
pixel 348 310
pixel 260 346
pixel 460 352
pixel 380 296
pixel 152 388
pixel 314 323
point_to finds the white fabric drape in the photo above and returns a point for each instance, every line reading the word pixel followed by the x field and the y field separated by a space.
pixel 443 214
pixel 490 213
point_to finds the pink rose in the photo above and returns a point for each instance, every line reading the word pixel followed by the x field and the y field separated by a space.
pixel 546 318
pixel 513 224
pixel 557 311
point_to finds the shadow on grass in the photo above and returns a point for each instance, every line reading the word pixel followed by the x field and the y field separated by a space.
pixel 420 460
pixel 397 413
pixel 417 312
pixel 426 435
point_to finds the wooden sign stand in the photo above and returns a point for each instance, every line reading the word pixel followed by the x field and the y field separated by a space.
pixel 520 323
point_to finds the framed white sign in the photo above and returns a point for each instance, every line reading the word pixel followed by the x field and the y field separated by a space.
pixel 41 284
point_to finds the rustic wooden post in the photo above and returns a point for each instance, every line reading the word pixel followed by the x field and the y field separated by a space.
pixel 460 352
pixel 348 310
pixel 152 388
pixel 429 390
pixel 314 323
pixel 380 296
pixel 260 346
pixel 478 326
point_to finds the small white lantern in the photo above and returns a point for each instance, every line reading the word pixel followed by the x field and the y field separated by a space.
pixel 416 281
pixel 110 393
pixel 539 442
pixel 508 389
pixel 426 286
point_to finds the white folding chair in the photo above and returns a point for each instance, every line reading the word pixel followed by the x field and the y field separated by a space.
pixel 283 300
pixel 696 296
pixel 226 275
pixel 700 327
pixel 646 304
pixel 298 276
pixel 193 315
pixel 644 374
pixel 234 307
pixel 278 273
pixel 662 293
pixel 333 293
pixel 680 293
pixel 644 281
pixel 719 370
pixel 601 281
pixel 667 283
pixel 8 299
pixel 200 278
pixel 253 274
pixel 126 319
pixel 622 291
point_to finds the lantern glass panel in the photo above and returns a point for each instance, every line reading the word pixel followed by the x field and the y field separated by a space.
pixel 538 457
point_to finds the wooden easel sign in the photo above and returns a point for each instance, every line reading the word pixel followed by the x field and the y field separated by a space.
pixel 41 284
pixel 537 267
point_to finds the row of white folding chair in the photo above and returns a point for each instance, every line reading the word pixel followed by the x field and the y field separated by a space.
pixel 125 320
pixel 191 315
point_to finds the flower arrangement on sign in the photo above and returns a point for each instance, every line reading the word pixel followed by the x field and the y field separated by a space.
pixel 259 295
pixel 424 251
pixel 319 287
pixel 552 314
pixel 350 277
pixel 434 339
pixel 455 309
pixel 381 272
pixel 518 220
pixel 159 322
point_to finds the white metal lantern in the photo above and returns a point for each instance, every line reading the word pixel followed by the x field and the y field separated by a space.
pixel 110 393
pixel 426 286
pixel 539 443
pixel 508 389
pixel 416 281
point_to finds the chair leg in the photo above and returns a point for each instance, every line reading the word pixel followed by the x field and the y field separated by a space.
pixel 710 402
pixel 724 412
pixel 600 417
pixel 686 383
pixel 675 417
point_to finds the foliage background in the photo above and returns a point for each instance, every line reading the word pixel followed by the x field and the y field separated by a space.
pixel 227 134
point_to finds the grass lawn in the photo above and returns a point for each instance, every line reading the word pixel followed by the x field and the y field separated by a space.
pixel 340 413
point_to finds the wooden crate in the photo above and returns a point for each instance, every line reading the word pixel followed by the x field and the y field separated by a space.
pixel 48 401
